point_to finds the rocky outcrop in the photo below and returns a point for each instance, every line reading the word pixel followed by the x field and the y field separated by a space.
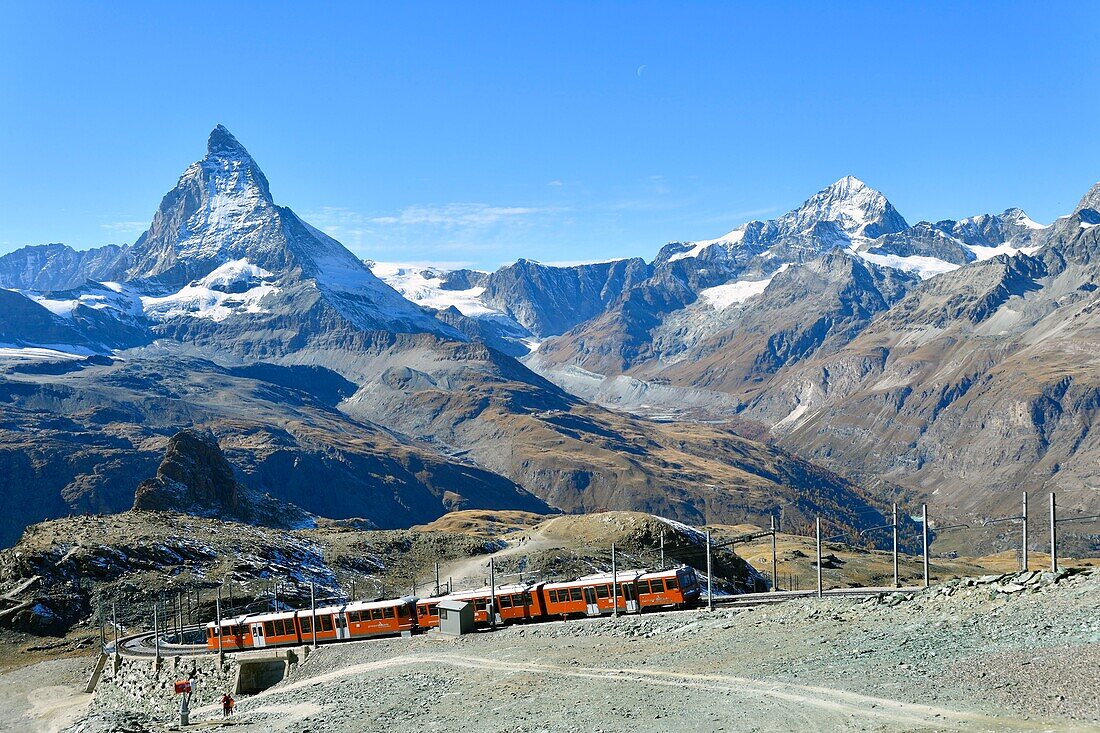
pixel 551 300
pixel 194 478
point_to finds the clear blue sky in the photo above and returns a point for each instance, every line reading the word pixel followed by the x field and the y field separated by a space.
pixel 481 133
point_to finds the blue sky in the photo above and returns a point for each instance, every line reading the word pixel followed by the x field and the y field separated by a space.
pixel 480 133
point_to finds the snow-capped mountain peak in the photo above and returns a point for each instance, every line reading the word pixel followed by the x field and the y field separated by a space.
pixel 851 204
pixel 228 166
pixel 833 217
pixel 1090 200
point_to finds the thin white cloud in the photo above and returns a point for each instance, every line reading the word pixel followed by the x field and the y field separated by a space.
pixel 455 215
pixel 125 227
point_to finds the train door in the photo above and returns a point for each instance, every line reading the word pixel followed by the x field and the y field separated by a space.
pixel 630 595
pixel 341 622
pixel 590 601
pixel 258 636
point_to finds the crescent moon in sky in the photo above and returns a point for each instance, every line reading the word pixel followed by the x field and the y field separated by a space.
pixel 641 69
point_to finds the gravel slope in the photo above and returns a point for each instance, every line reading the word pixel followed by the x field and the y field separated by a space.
pixel 993 654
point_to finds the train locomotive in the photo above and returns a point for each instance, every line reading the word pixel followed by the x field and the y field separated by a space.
pixel 592 595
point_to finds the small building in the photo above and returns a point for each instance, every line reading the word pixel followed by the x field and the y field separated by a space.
pixel 456 617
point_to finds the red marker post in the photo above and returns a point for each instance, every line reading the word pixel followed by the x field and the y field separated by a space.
pixel 183 687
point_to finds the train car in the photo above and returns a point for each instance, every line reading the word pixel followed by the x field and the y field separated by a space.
pixel 516 603
pixel 356 620
pixel 677 588
pixel 592 595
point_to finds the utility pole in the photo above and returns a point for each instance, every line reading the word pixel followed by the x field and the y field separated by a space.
pixel 156 634
pixel 614 584
pixel 775 576
pixel 313 613
pixel 817 525
pixel 924 538
pixel 492 593
pixel 1053 535
pixel 897 583
pixel 437 578
pixel 114 623
pixel 662 549
pixel 710 578
pixel 218 621
pixel 179 612
pixel 1023 548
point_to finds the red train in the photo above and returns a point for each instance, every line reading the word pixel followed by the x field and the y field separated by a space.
pixel 591 595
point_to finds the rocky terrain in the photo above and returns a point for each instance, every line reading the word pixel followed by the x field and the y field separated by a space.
pixel 995 653
pixel 328 390
pixel 63 573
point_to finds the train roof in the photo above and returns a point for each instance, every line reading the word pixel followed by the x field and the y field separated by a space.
pixel 485 592
pixel 622 576
pixel 669 571
pixel 321 610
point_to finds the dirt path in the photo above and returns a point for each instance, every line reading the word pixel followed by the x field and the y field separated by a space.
pixel 824 699
pixel 44 697
pixel 467 572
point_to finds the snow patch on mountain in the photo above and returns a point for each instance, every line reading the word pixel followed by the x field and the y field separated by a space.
pixel 235 287
pixel 97 296
pixel 731 238
pixel 425 286
pixel 48 352
pixel 723 296
pixel 986 253
pixel 923 267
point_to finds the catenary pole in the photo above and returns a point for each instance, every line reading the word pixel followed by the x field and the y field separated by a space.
pixel 156 634
pixel 924 539
pixel 218 621
pixel 775 576
pixel 710 577
pixel 614 584
pixel 897 582
pixel 662 549
pixel 1053 535
pixel 493 592
pixel 313 612
pixel 1023 546
pixel 817 527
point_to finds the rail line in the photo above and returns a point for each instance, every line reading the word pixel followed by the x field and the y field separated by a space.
pixel 142 645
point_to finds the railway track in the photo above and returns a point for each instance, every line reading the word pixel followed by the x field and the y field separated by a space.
pixel 143 646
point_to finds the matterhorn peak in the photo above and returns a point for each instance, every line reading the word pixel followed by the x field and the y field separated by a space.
pixel 1090 200
pixel 221 142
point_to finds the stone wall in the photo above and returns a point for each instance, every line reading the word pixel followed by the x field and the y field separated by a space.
pixel 139 685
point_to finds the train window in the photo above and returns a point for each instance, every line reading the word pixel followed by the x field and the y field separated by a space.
pixel 434 610
pixel 574 594
pixel 670 583
pixel 527 598
pixel 553 596
pixel 505 601
pixel 479 604
pixel 269 628
pixel 325 623
pixel 388 612
pixel 602 592
pixel 401 610
pixel 376 613
pixel 517 599
pixel 306 623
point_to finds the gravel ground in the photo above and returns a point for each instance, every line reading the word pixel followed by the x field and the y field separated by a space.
pixel 991 654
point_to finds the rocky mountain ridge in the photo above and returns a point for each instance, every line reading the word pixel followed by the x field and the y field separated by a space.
pixel 330 391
